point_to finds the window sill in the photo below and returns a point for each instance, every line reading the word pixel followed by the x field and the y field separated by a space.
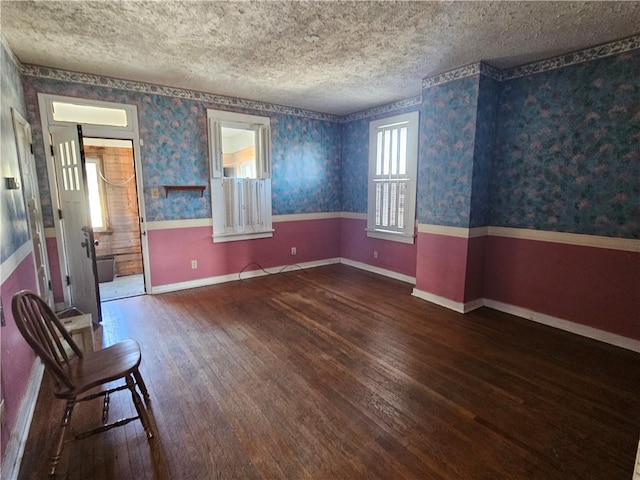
pixel 391 236
pixel 233 237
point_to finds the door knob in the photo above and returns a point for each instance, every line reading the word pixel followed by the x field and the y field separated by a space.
pixel 96 243
pixel 85 245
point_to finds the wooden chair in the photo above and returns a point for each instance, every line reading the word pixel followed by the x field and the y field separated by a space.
pixel 74 376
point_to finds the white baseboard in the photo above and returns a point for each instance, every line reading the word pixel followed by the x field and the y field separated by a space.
pixel 566 325
pixel 18 438
pixel 447 303
pixel 378 270
pixel 234 277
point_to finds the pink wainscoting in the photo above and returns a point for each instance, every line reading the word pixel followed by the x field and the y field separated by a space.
pixel 356 246
pixel 172 250
pixel 597 287
pixel 474 283
pixel 54 268
pixel 441 266
pixel 17 357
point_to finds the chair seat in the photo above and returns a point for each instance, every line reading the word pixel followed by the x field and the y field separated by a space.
pixel 100 367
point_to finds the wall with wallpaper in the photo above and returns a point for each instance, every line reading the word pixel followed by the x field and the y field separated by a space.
pixel 568 149
pixel 305 151
pixel 17 268
pixel 533 148
pixel 543 151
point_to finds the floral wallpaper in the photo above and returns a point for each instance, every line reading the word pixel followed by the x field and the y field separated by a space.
pixel 355 165
pixel 305 151
pixel 567 153
pixel 446 152
pixel 552 150
pixel 15 229
pixel 305 163
pixel 486 117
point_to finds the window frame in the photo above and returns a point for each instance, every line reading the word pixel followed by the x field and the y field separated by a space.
pixel 406 234
pixel 216 119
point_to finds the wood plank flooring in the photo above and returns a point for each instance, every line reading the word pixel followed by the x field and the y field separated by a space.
pixel 336 373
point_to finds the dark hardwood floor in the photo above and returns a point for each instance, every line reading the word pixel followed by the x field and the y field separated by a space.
pixel 336 373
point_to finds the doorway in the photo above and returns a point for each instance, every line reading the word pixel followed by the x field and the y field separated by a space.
pixel 113 205
pixel 114 200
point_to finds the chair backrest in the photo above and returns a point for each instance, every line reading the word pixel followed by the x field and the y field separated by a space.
pixel 45 333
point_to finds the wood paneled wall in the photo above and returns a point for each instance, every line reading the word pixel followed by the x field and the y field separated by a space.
pixel 122 239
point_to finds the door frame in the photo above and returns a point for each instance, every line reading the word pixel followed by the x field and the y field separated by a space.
pixel 28 167
pixel 130 132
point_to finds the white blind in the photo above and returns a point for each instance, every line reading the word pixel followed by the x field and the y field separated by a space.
pixel 391 180
pixel 245 204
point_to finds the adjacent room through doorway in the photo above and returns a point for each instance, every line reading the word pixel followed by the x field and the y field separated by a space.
pixel 113 203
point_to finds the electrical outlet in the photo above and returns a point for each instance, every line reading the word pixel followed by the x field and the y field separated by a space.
pixel 155 193
pixel 375 254
pixel 293 250
pixel 194 264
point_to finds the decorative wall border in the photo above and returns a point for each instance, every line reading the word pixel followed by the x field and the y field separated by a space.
pixel 384 109
pixel 149 88
pixel 451 75
pixel 573 58
pixel 565 60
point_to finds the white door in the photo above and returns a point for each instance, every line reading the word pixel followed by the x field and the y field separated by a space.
pixel 31 192
pixel 76 221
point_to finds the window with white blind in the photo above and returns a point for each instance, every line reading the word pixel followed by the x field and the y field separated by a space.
pixel 239 148
pixel 393 166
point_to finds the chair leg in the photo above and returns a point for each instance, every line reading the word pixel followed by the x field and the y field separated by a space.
pixel 142 411
pixel 141 385
pixel 64 426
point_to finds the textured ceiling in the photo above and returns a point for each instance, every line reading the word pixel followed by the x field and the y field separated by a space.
pixel 333 57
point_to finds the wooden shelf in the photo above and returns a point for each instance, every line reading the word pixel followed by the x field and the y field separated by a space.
pixel 168 188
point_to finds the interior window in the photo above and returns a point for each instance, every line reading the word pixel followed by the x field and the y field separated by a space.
pixel 239 150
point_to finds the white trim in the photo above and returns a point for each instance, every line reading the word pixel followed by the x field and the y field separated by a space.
pixel 555 322
pixel 18 438
pixel 170 224
pixel 130 132
pixel 613 243
pixel 15 259
pixel 233 277
pixel 300 217
pixel 233 237
pixel 378 270
pixel 459 232
pixel 572 327
pixel 399 237
pixel 447 303
pixel 353 215
pixel 576 239
pixel 377 128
